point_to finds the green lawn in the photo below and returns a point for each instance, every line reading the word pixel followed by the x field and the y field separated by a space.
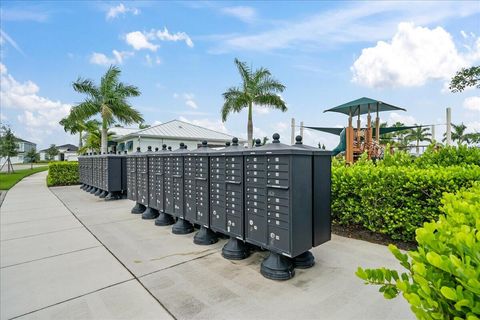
pixel 9 180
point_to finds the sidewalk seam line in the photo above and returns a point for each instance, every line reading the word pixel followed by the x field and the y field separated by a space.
pixel 40 234
pixel 48 257
pixel 70 299
pixel 106 248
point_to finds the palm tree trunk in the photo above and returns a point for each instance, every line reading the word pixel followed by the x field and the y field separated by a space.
pixel 80 143
pixel 104 138
pixel 250 125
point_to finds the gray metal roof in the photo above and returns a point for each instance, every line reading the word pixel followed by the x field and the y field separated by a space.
pixel 177 129
pixel 121 131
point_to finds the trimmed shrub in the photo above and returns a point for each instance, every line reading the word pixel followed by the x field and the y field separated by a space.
pixel 442 278
pixel 394 200
pixel 62 173
pixel 449 156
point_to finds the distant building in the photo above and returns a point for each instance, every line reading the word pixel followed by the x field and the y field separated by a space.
pixel 67 152
pixel 23 147
pixel 171 133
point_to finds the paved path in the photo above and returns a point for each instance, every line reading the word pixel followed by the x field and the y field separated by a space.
pixel 53 267
pixel 109 263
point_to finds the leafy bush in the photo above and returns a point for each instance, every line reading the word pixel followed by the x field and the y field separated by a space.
pixel 449 156
pixel 394 200
pixel 62 173
pixel 442 278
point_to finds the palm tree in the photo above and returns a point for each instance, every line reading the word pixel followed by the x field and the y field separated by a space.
pixel 93 139
pixel 419 134
pixel 258 88
pixel 109 100
pixel 458 134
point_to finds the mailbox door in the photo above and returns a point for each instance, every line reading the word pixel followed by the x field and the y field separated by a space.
pixel 190 184
pixel 152 181
pixel 168 184
pixel 142 180
pixel 218 215
pixel 178 187
pixel 131 178
pixel 201 191
pixel 256 208
pixel 159 188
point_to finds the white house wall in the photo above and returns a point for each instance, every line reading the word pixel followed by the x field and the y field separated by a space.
pixel 143 143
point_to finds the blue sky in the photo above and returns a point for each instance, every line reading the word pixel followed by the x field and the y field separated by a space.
pixel 180 55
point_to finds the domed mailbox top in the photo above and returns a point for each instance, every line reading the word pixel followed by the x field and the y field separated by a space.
pixel 299 144
pixel 276 147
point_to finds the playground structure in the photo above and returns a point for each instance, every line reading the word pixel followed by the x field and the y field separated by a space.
pixel 355 141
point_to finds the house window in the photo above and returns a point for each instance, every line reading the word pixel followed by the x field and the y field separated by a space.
pixel 129 145
pixel 121 146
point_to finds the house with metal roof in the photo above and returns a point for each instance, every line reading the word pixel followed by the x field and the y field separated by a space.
pixel 171 133
pixel 66 152
pixel 23 147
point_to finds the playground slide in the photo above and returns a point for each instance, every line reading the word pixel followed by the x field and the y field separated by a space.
pixel 342 145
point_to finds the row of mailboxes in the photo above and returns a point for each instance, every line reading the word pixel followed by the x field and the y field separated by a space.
pixel 274 196
pixel 103 175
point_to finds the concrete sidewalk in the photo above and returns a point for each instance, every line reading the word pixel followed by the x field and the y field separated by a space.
pixel 53 267
pixel 110 265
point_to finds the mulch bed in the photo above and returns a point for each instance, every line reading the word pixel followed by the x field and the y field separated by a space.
pixel 359 232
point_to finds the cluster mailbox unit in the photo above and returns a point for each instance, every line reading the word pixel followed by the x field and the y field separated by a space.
pixel 274 196
pixel 103 175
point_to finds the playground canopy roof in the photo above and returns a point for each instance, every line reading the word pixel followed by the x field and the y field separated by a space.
pixel 337 131
pixel 360 106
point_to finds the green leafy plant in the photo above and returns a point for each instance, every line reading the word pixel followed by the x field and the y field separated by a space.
pixel 394 200
pixel 62 173
pixel 32 157
pixel 8 146
pixel 442 278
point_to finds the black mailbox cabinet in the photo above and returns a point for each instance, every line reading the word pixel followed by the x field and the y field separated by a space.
pixel 133 177
pixel 112 176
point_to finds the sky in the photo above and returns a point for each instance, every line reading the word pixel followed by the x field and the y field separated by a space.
pixel 181 57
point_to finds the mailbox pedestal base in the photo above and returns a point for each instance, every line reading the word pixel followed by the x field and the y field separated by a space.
pixel 182 227
pixel 103 194
pixel 277 267
pixel 82 186
pixel 304 261
pixel 98 192
pixel 138 208
pixel 205 237
pixel 93 190
pixel 164 219
pixel 88 188
pixel 235 249
pixel 149 214
pixel 112 196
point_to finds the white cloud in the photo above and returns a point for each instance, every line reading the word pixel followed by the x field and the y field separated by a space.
pixel 189 99
pixel 246 14
pixel 144 40
pixel 4 37
pixel 150 61
pixel 216 125
pixel 121 9
pixel 396 117
pixel 472 103
pixel 156 123
pixel 140 41
pixel 413 56
pixel 472 127
pixel 164 35
pixel 353 22
pixel 102 59
pixel 261 110
pixel 38 115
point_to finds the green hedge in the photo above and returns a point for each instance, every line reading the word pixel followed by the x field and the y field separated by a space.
pixel 394 200
pixel 442 278
pixel 62 173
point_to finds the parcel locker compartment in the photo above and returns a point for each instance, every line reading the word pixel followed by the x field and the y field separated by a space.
pixel 234 165
pixel 234 225
pixel 278 201
pixel 255 181
pixel 278 182
pixel 234 192
pixel 217 196
pixel 279 238
pixel 278 208
pixel 256 229
pixel 255 204
pixel 255 159
pixel 278 160
pixel 256 174
pixel 256 197
pixel 278 175
pixel 217 159
pixel 256 190
pixel 217 165
pixel 234 211
pixel 278 193
pixel 234 206
pixel 256 166
pixel 256 211
pixel 219 184
pixel 217 191
pixel 217 170
pixel 233 179
pixel 217 177
pixel 233 172
pixel 277 223
pixel 278 215
pixel 218 217
pixel 202 175
pixel 218 202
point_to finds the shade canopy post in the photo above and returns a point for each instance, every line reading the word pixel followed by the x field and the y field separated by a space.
pixel 377 125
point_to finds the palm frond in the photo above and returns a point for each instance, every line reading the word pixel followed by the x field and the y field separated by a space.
pixel 109 80
pixel 234 103
pixel 86 86
pixel 272 101
pixel 269 85
pixel 123 90
pixel 84 110
pixel 244 71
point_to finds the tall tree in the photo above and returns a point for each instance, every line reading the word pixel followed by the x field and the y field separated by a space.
pixel 467 77
pixel 8 147
pixel 32 157
pixel 258 88
pixel 74 126
pixel 458 134
pixel 52 152
pixel 93 140
pixel 418 135
pixel 109 100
